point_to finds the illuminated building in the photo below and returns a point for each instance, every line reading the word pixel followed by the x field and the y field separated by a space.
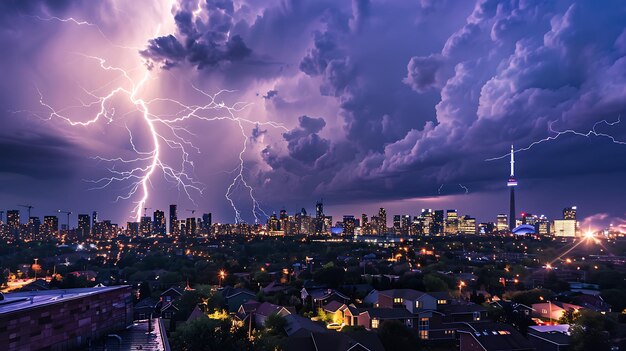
pixel 145 227
pixel 569 213
pixel 426 221
pixel 207 221
pixel 382 221
pixel 437 224
pixel 348 224
pixel 159 223
pixel 84 225
pixel 452 222
pixel 51 225
pixel 396 223
pixel 542 225
pixel 405 224
pixel 132 229
pixel 502 223
pixel 564 228
pixel 319 218
pixel 34 226
pixel 190 227
pixel 512 183
pixel 467 225
pixel 94 219
pixel 13 222
pixel 173 220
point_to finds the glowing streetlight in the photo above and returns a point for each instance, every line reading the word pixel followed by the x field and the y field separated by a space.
pixel 461 285
pixel 221 275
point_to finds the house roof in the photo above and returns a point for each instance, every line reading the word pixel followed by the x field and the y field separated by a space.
pixel 229 292
pixel 497 337
pixel 555 334
pixel 174 289
pixel 297 323
pixel 389 313
pixel 461 308
pixel 407 294
pixel 148 302
pixel 440 295
pixel 333 306
pixel 331 341
pixel 322 294
pixel 267 308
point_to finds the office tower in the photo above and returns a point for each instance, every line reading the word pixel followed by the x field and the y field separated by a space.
pixel 565 228
pixel 405 224
pixel 512 183
pixel 13 222
pixel 190 227
pixel 569 213
pixel 502 223
pixel 319 218
pixel 159 223
pixel 349 224
pixel 283 221
pixel 207 221
pixel 84 226
pixel 437 225
pixel 426 221
pixel 145 227
pixel 51 225
pixel 452 222
pixel 94 219
pixel 382 221
pixel 467 225
pixel 542 227
pixel 132 229
pixel 396 223
pixel 273 223
pixel 34 224
pixel 173 220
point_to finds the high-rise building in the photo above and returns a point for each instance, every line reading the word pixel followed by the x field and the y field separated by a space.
pixel 207 221
pixel 502 223
pixel 94 219
pixel 569 213
pixel 542 227
pixel 159 223
pixel 382 221
pixel 319 218
pixel 512 183
pixel 349 224
pixel 34 225
pixel 452 222
pixel 145 227
pixel 426 221
pixel 51 225
pixel 132 229
pixel 190 227
pixel 405 224
pixel 564 228
pixel 173 220
pixel 396 223
pixel 13 222
pixel 84 225
pixel 467 225
pixel 437 224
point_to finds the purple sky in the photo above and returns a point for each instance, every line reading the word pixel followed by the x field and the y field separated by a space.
pixel 361 103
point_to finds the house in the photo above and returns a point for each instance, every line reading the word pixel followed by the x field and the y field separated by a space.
pixel 411 300
pixel 512 307
pixel 296 324
pixel 195 314
pixel 331 341
pixel 335 309
pixel 245 312
pixel 169 311
pixel 354 316
pixel 145 308
pixel 549 337
pixel 273 288
pixel 486 336
pixel 171 294
pixel 552 310
pixel 319 297
pixel 462 312
pixel 266 309
pixel 235 297
pixel 379 315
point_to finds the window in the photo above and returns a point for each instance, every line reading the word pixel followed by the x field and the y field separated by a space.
pixel 374 323
pixel 442 302
pixel 476 316
pixel 449 332
pixel 418 304
pixel 397 300
pixel 544 311
pixel 167 315
pixel 422 327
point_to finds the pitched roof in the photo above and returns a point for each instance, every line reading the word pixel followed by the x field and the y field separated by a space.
pixel 174 289
pixel 297 323
pixel 389 313
pixel 408 294
pixel 497 337
pixel 267 308
pixel 331 341
pixel 333 306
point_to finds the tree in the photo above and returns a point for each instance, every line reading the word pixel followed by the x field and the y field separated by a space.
pixel 590 332
pixel 569 316
pixel 332 276
pixel 396 336
pixel 204 334
pixel 434 283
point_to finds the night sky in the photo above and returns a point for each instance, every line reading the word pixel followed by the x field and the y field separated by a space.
pixel 371 103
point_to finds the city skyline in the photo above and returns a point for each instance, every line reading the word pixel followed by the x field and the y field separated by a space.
pixel 313 115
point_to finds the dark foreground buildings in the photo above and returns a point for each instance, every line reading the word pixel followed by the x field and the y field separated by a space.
pixel 63 319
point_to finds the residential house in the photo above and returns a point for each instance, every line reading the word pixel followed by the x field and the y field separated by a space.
pixel 145 309
pixel 266 309
pixel 331 341
pixel 411 300
pixel 549 337
pixel 235 297
pixel 486 336
pixel 319 297
pixel 552 310
pixel 171 294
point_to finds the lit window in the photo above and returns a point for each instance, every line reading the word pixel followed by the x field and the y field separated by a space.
pixel 397 300
pixel 418 304
pixel 476 316
pixel 423 334
pixel 374 323
pixel 544 311
pixel 442 302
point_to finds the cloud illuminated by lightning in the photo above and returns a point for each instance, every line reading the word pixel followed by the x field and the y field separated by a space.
pixel 590 133
pixel 167 132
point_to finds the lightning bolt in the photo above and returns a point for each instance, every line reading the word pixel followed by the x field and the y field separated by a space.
pixel 464 188
pixel 439 190
pixel 167 132
pixel 590 133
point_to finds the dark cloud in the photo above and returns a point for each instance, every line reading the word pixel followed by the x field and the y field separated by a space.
pixel 270 94
pixel 201 43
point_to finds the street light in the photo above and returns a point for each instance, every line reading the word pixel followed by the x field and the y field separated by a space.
pixel 461 285
pixel 222 275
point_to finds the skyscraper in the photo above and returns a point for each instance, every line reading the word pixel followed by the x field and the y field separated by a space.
pixel 319 217
pixel 382 221
pixel 512 183
pixel 84 227
pixel 173 220
pixel 437 225
pixel 13 222
pixel 51 225
pixel 159 222
pixel 569 213
pixel 452 222
pixel 145 226
pixel 207 221
pixel 94 219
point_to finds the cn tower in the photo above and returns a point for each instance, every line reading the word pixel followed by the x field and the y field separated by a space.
pixel 512 183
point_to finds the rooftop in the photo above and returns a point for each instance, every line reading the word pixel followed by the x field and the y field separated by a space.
pixel 136 337
pixel 31 299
